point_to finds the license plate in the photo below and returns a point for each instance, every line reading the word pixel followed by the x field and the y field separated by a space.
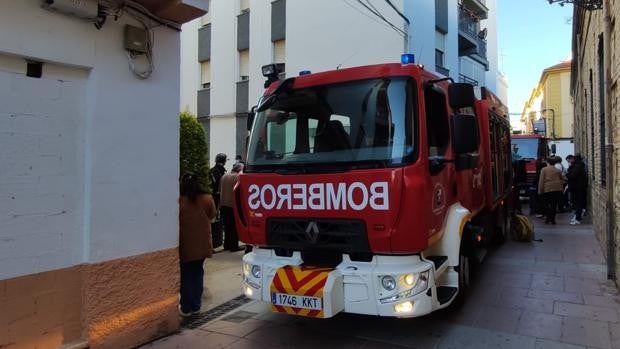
pixel 296 301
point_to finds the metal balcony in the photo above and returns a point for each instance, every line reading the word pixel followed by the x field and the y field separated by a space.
pixel 471 43
pixel 467 79
pixel 478 7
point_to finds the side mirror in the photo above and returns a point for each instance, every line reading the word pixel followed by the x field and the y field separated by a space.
pixel 464 133
pixel 250 120
pixel 461 95
pixel 553 149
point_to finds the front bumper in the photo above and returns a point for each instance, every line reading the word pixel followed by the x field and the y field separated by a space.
pixel 352 287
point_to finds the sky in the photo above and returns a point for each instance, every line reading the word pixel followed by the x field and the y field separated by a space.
pixel 532 36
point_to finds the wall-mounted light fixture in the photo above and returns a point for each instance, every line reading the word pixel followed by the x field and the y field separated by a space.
pixel 586 4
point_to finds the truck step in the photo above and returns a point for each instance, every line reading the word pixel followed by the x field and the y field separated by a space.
pixel 445 293
pixel 438 261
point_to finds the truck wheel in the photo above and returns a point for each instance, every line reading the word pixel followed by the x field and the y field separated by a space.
pixel 502 231
pixel 464 272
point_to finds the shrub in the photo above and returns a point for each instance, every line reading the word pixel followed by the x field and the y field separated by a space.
pixel 193 150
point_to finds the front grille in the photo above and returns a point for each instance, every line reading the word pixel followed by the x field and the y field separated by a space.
pixel 530 179
pixel 303 234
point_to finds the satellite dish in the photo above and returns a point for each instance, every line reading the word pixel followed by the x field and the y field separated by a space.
pixel 483 34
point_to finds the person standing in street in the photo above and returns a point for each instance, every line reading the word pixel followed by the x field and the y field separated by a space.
pixel 577 177
pixel 217 172
pixel 550 186
pixel 231 240
pixel 196 210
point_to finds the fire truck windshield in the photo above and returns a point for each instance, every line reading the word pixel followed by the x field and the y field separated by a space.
pixel 365 123
pixel 525 148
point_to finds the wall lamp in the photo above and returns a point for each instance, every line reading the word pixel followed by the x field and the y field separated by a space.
pixel 585 4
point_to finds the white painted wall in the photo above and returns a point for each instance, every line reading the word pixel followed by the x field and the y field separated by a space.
pixel 116 180
pixel 190 68
pixel 224 56
pixel 421 13
pixel 261 47
pixel 42 167
pixel 222 139
pixel 502 88
pixel 491 24
pixel 452 40
pixel 338 34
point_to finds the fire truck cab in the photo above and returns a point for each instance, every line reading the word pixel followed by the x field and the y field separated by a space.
pixel 371 190
pixel 528 153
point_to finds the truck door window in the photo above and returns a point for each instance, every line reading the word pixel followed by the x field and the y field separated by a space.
pixel 437 129
pixel 281 135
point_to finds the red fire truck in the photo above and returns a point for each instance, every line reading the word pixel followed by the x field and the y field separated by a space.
pixel 528 152
pixel 371 190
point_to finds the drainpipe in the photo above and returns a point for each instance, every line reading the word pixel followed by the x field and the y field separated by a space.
pixel 609 148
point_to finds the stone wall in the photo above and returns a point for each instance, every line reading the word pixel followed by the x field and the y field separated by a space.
pixel 589 133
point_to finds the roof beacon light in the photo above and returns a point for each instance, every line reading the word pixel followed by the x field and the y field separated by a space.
pixel 305 72
pixel 407 58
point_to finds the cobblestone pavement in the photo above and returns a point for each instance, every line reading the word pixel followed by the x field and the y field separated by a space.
pixel 549 294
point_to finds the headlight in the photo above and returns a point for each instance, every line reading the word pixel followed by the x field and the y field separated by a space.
pixel 421 284
pixel 409 279
pixel 256 271
pixel 246 269
pixel 388 282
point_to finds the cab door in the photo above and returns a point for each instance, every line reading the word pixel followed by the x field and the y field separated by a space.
pixel 440 170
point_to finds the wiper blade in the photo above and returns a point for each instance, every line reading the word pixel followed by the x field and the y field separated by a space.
pixel 370 164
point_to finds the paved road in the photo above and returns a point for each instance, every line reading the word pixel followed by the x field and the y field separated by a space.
pixel 550 294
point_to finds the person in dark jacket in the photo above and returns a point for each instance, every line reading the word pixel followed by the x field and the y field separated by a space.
pixel 196 210
pixel 217 172
pixel 577 177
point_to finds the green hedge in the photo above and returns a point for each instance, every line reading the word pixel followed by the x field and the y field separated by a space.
pixel 194 152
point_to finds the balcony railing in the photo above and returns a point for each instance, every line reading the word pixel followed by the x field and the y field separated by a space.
pixel 441 70
pixel 467 24
pixel 471 30
pixel 467 79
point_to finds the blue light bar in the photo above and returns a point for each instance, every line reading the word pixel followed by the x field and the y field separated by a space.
pixel 304 72
pixel 407 58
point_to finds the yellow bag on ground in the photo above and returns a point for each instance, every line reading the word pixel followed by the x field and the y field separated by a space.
pixel 522 228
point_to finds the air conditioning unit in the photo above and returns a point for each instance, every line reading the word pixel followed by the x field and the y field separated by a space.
pixel 85 9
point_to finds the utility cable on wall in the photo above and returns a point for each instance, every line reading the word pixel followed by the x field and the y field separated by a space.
pixel 116 9
pixel 368 5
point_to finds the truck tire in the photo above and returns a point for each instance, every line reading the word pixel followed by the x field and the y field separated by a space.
pixel 464 272
pixel 503 229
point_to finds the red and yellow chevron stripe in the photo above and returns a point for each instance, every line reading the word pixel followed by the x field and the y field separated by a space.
pixel 301 281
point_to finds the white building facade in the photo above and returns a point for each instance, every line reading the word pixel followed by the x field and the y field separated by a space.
pixel 222 53
pixel 89 166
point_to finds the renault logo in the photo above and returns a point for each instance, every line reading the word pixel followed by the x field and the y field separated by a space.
pixel 312 232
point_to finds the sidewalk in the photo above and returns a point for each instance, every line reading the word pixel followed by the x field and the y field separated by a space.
pixel 550 294
pixel 222 278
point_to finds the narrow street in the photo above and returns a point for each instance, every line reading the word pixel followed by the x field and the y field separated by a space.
pixel 549 294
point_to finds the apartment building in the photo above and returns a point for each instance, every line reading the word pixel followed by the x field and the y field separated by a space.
pixel 224 51
pixel 549 109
